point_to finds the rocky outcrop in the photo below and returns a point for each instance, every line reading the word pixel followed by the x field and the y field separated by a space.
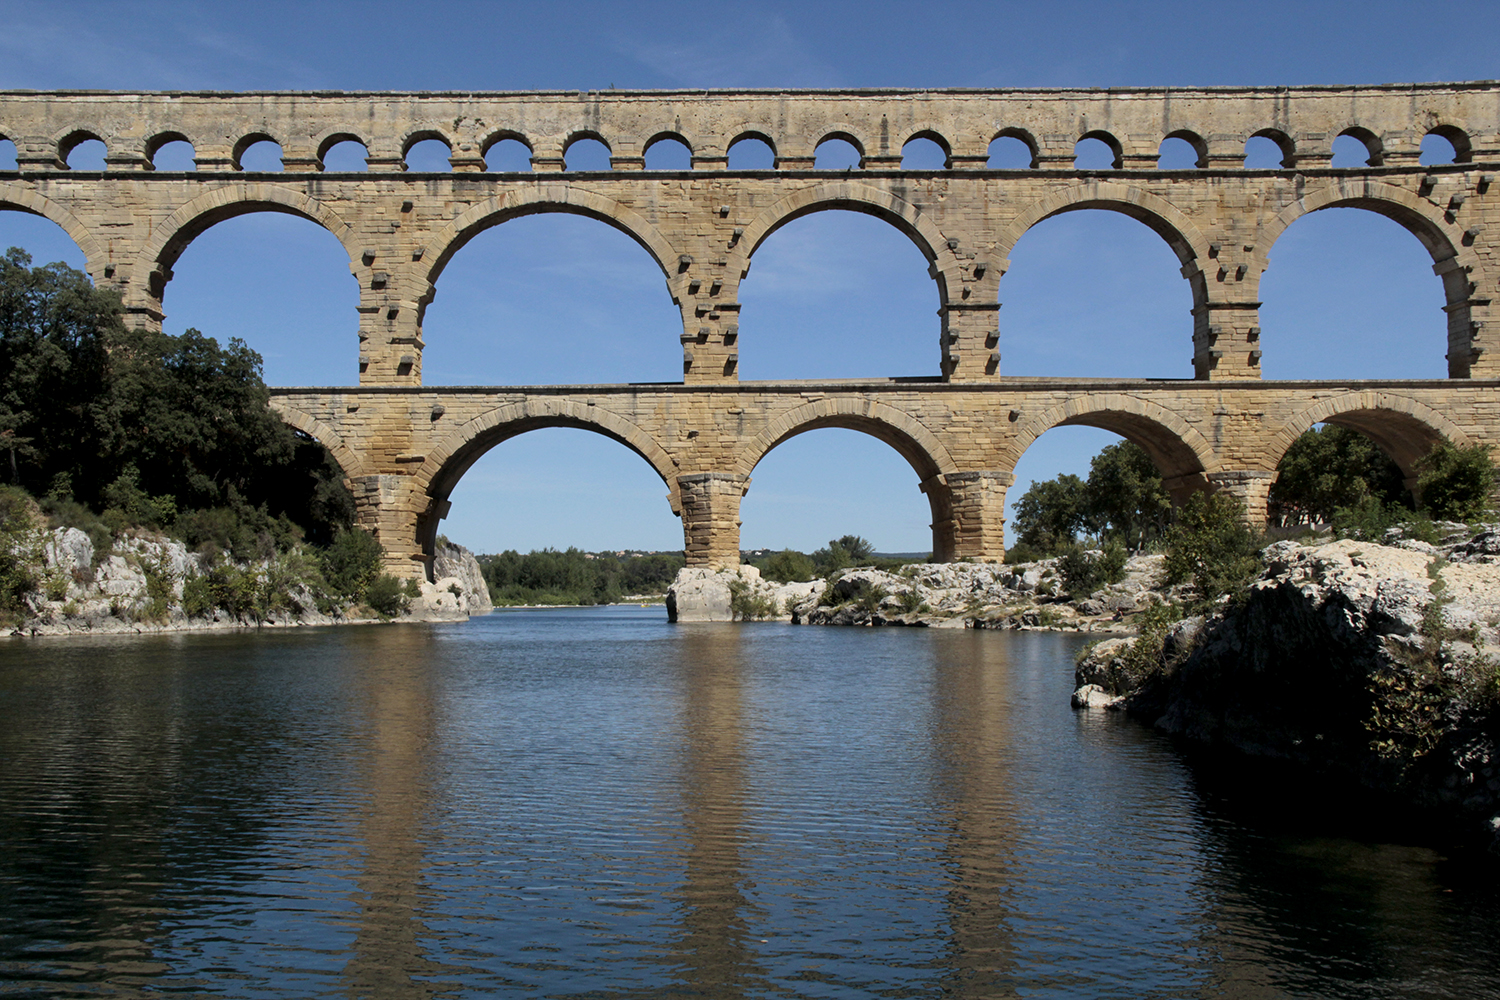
pixel 1377 665
pixel 943 595
pixel 139 585
pixel 458 582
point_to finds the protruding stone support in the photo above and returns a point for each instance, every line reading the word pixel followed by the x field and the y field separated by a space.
pixel 971 340
pixel 1251 486
pixel 968 510
pixel 711 517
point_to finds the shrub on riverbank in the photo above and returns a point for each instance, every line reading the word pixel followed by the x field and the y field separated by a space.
pixel 571 576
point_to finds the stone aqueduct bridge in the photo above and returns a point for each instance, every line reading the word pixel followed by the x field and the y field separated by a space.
pixel 962 426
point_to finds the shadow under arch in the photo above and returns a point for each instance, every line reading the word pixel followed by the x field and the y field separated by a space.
pixel 1180 453
pixel 544 198
pixel 1403 428
pixel 1416 215
pixel 15 197
pixel 447 463
pixel 297 419
pixel 179 229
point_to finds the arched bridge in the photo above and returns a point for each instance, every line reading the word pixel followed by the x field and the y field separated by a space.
pixel 962 426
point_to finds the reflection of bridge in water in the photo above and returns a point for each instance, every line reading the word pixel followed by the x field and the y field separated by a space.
pixel 963 429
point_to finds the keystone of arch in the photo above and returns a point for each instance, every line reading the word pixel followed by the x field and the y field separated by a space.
pixel 838 194
pixel 275 196
pixel 928 455
pixel 348 460
pixel 28 200
pixel 1181 234
pixel 549 411
pixel 553 196
pixel 1396 203
pixel 1185 447
pixel 1364 401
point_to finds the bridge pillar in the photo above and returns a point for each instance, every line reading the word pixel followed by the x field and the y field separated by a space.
pixel 711 517
pixel 1251 486
pixel 383 506
pixel 968 510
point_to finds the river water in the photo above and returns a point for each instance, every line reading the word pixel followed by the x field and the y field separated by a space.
pixel 594 803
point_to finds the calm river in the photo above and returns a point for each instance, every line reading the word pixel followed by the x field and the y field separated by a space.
pixel 594 803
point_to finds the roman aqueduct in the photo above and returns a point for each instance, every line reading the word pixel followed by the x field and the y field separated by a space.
pixel 962 426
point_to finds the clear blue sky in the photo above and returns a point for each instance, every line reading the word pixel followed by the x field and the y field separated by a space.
pixel 1348 294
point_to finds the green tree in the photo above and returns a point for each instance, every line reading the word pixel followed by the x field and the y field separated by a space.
pixel 1051 513
pixel 1330 468
pixel 842 553
pixel 789 566
pixel 1456 484
pixel 1212 545
pixel 1124 496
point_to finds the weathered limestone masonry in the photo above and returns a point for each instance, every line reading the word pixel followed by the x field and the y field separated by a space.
pixel 963 427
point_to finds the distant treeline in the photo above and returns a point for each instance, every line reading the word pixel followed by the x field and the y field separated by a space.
pixel 576 577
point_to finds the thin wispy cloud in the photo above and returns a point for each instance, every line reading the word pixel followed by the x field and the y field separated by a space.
pixel 766 53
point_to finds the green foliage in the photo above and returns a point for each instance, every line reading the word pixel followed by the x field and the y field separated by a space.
pixel 1332 468
pixel 20 550
pixel 871 598
pixel 1051 513
pixel 1084 571
pixel 352 564
pixel 575 577
pixel 1124 497
pixel 1211 545
pixel 843 553
pixel 389 596
pixel 746 606
pixel 142 424
pixel 1456 483
pixel 788 566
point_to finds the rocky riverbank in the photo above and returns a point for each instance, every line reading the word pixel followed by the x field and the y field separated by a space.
pixel 936 595
pixel 1371 667
pixel 143 583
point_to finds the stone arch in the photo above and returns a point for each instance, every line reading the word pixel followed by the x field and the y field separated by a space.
pixel 179 229
pixel 1283 142
pixel 1185 239
pixel 447 463
pixel 333 137
pixel 557 196
pixel 915 443
pixel 1463 146
pixel 24 199
pixel 1418 216
pixel 1403 428
pixel 154 144
pixel 931 133
pixel 750 130
pixel 1374 148
pixel 320 432
pixel 1200 146
pixel 494 138
pixel 852 196
pixel 1108 138
pixel 1021 135
pixel 71 138
pixel 860 146
pixel 421 133
pixel 249 139
pixel 1181 454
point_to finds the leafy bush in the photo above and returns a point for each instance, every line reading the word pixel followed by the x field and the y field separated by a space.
pixel 746 606
pixel 390 596
pixel 1456 483
pixel 351 565
pixel 20 549
pixel 788 566
pixel 1084 572
pixel 1211 545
